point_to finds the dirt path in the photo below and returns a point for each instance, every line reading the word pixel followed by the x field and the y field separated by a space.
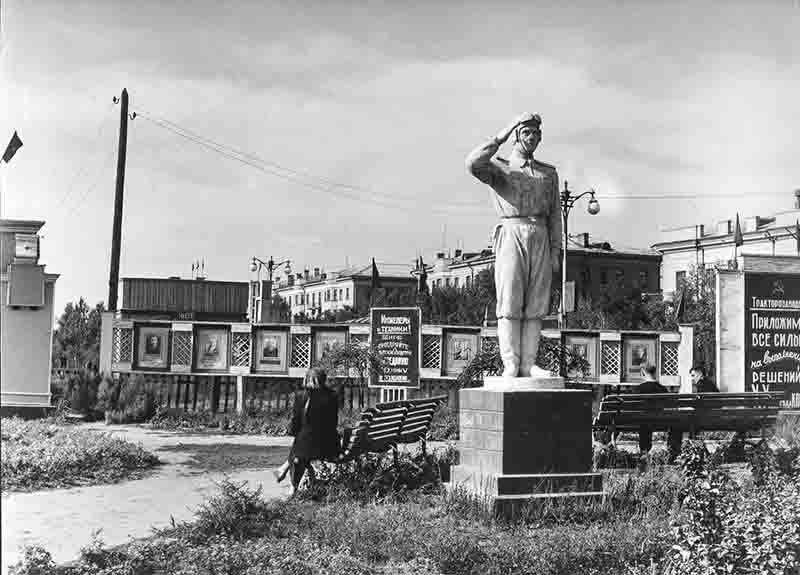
pixel 63 520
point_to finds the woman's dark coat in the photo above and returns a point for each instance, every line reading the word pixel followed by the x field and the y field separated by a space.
pixel 314 429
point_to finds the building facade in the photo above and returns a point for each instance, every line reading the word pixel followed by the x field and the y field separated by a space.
pixel 313 294
pixel 26 319
pixel 704 246
pixel 595 267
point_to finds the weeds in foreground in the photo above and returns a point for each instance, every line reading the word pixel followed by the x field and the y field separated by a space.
pixel 43 454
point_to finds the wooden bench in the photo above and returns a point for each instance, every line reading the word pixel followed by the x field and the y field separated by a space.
pixel 690 412
pixel 386 425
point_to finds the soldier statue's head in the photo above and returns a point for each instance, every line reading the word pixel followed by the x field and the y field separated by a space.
pixel 528 134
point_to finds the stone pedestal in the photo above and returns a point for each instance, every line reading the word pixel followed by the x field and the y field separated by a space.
pixel 526 439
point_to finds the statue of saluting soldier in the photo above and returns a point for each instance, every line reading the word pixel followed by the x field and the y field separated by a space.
pixel 527 241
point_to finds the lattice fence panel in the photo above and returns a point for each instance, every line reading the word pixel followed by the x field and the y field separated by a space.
pixel 241 349
pixel 301 350
pixel 610 357
pixel 182 348
pixel 552 362
pixel 431 351
pixel 669 358
pixel 123 345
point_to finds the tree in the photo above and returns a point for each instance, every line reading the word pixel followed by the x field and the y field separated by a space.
pixel 281 310
pixel 76 341
pixel 450 305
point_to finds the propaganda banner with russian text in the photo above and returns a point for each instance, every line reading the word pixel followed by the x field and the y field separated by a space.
pixel 772 332
pixel 396 339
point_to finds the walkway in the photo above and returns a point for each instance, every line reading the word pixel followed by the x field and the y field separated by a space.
pixel 63 520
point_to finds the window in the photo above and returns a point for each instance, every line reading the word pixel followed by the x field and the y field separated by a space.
pixel 680 279
pixel 603 277
pixel 455 282
pixel 468 282
pixel 619 277
pixel 341 294
pixel 334 294
pixel 439 282
pixel 586 276
pixel 447 282
pixel 643 279
pixel 347 293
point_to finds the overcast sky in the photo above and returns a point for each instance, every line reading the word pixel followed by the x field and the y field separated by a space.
pixel 374 106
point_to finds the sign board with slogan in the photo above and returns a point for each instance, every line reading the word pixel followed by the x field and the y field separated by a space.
pixel 772 332
pixel 396 338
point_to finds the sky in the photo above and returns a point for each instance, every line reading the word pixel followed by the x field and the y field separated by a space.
pixel 352 120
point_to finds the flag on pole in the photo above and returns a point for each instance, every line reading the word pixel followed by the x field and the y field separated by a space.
pixel 422 287
pixel 376 279
pixel 737 233
pixel 14 145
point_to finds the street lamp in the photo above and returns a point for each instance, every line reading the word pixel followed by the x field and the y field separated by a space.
pixel 567 203
pixel 256 265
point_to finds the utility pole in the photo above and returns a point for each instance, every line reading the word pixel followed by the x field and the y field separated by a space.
pixel 116 238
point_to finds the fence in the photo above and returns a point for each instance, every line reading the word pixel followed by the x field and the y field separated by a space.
pixel 220 394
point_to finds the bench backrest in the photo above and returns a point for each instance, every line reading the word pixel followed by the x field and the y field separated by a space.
pixel 711 411
pixel 387 424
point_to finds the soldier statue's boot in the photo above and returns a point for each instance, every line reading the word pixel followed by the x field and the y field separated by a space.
pixel 531 332
pixel 508 339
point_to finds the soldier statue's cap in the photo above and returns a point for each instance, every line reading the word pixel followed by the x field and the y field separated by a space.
pixel 535 121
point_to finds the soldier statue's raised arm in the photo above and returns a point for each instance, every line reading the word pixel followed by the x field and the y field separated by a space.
pixel 527 241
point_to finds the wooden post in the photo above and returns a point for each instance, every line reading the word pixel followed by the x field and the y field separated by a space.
pixel 239 394
pixel 116 238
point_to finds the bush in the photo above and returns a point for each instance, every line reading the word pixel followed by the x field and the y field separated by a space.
pixel 378 476
pixel 40 454
pixel 137 400
pixel 444 425
pixel 721 530
pixel 108 394
pixel 80 392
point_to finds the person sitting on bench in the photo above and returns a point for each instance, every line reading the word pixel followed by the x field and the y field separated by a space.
pixel 675 438
pixel 700 381
pixel 313 424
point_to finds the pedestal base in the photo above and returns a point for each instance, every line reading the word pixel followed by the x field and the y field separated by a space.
pixel 524 440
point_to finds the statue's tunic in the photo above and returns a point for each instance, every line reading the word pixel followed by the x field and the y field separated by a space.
pixel 528 236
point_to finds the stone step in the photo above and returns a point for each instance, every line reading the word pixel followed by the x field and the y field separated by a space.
pixel 494 484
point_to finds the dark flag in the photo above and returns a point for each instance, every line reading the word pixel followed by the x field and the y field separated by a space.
pixel 422 286
pixel 680 306
pixel 376 279
pixel 14 145
pixel 737 233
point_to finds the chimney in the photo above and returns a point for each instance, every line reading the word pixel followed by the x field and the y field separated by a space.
pixel 439 255
pixel 306 274
pixel 458 253
pixel 797 199
pixel 316 272
pixel 585 239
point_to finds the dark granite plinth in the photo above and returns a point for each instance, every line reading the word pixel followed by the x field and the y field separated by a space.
pixel 526 444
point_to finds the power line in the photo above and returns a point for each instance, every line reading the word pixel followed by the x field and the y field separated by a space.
pixel 294 176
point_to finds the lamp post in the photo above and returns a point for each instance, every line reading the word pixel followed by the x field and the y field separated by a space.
pixel 256 265
pixel 567 203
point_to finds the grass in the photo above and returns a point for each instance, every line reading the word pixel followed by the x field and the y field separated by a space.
pixel 47 454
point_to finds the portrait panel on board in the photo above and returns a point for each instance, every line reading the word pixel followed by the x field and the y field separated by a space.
pixel 460 349
pixel 638 354
pixel 585 348
pixel 325 341
pixel 211 349
pixel 152 347
pixel 271 350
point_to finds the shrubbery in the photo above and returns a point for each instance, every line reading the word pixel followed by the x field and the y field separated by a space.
pixel 43 454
